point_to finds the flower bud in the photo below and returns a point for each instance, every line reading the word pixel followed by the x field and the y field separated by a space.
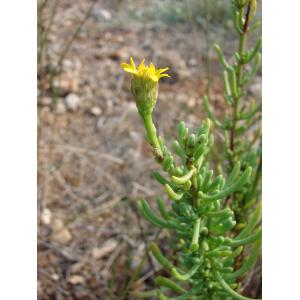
pixel 144 85
pixel 145 92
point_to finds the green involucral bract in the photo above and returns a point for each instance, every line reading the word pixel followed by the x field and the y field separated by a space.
pixel 145 93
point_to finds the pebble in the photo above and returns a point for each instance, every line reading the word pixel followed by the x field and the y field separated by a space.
pixel 60 107
pixel 66 84
pixel 103 15
pixel 191 103
pixel 46 216
pixel 72 102
pixel 46 101
pixel 61 234
pixel 63 237
pixel 96 111
pixel 55 277
pixel 76 279
pixel 67 64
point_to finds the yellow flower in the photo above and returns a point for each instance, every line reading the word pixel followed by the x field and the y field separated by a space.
pixel 144 85
pixel 146 72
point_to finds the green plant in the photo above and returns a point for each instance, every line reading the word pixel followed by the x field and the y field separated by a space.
pixel 205 248
pixel 241 141
pixel 208 258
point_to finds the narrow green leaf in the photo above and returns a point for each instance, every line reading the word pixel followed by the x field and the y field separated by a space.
pixel 183 179
pixel 168 283
pixel 196 231
pixel 173 195
pixel 248 240
pixel 186 276
pixel 227 191
pixel 164 262
pixel 162 208
pixel 221 57
pixel 229 290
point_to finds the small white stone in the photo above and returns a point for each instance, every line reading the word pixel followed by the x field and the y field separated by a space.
pixel 96 111
pixel 104 14
pixel 76 279
pixel 72 102
pixel 46 216
pixel 55 277
pixel 67 63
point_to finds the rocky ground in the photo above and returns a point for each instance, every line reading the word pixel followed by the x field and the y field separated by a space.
pixel 92 155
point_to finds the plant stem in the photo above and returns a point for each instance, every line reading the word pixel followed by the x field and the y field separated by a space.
pixel 239 72
pixel 240 88
pixel 151 131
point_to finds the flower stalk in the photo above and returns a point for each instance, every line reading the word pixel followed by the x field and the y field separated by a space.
pixel 151 131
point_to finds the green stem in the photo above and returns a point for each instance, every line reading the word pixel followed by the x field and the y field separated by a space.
pixel 240 84
pixel 229 290
pixel 236 100
pixel 151 131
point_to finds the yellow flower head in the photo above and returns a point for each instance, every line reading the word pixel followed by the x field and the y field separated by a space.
pixel 144 85
pixel 146 72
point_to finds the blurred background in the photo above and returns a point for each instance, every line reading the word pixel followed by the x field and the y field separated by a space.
pixel 93 161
